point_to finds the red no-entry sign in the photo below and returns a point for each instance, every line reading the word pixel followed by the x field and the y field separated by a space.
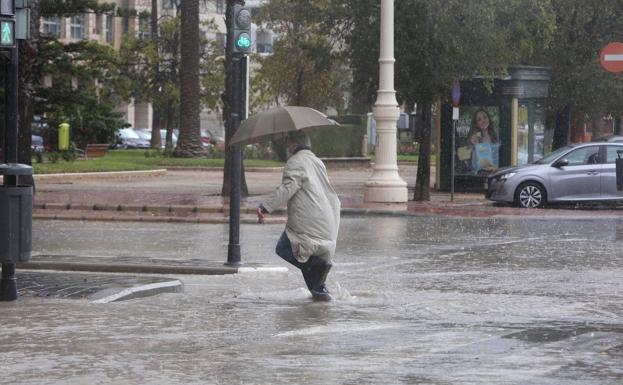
pixel 611 57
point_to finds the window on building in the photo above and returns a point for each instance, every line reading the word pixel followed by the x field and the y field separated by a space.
pixel 76 27
pixel 51 26
pixel 144 27
pixel 109 28
pixel 99 24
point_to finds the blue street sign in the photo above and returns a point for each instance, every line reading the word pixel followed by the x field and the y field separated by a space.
pixel 456 94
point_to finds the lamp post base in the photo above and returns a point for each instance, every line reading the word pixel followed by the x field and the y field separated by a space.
pixel 386 191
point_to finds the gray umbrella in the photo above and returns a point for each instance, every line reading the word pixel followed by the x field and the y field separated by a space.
pixel 279 120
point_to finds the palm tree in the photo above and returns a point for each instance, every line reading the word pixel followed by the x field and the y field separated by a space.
pixel 189 142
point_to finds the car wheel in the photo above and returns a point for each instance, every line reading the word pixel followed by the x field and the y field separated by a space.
pixel 530 195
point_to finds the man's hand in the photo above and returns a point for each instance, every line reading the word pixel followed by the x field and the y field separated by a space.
pixel 260 215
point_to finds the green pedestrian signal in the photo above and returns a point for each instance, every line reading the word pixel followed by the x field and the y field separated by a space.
pixel 241 35
pixel 7 33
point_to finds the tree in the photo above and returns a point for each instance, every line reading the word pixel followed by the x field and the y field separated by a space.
pixel 189 143
pixel 152 68
pixel 305 68
pixel 578 82
pixel 438 42
pixel 356 24
pixel 35 59
pixel 477 38
pixel 86 89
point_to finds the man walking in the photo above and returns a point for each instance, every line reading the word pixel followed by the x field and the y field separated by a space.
pixel 309 239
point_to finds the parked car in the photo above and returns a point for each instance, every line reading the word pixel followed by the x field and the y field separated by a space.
pixel 36 144
pixel 163 138
pixel 128 138
pixel 208 138
pixel 576 173
pixel 145 133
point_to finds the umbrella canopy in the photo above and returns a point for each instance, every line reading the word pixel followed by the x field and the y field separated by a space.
pixel 280 120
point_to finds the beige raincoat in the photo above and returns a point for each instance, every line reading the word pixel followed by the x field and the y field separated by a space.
pixel 313 206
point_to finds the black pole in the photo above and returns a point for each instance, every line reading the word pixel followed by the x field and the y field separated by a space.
pixel 8 284
pixel 453 152
pixel 233 250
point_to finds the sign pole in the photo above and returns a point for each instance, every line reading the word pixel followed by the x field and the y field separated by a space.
pixel 238 45
pixel 233 250
pixel 452 162
pixel 8 281
pixel 456 97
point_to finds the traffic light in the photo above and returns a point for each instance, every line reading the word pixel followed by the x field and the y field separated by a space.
pixel 241 36
pixel 7 23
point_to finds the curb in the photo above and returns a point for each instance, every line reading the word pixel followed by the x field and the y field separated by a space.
pixel 127 268
pixel 91 216
pixel 175 286
pixel 147 269
pixel 215 168
pixel 109 174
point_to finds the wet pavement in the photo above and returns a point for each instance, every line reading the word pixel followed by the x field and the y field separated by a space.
pixel 418 300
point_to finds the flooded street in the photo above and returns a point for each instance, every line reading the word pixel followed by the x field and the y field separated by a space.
pixel 418 300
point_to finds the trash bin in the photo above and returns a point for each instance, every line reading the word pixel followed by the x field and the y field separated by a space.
pixel 63 136
pixel 15 216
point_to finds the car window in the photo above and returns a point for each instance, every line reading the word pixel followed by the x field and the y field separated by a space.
pixel 584 155
pixel 553 155
pixel 612 154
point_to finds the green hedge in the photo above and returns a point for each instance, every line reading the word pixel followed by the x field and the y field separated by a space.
pixel 343 141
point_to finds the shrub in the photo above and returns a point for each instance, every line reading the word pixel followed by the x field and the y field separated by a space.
pixel 54 156
pixel 69 155
pixel 214 152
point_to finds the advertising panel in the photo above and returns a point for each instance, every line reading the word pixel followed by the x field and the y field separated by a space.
pixel 477 141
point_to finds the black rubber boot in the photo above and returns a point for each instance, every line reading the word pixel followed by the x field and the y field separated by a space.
pixel 315 273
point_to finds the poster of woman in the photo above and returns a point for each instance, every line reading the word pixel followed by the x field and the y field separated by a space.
pixel 478 142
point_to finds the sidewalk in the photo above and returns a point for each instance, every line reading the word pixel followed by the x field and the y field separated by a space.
pixel 184 195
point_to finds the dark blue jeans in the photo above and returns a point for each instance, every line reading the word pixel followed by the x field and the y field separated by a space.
pixel 314 271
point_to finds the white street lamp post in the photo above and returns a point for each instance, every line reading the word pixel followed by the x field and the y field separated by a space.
pixel 385 185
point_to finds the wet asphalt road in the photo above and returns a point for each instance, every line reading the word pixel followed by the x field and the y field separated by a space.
pixel 419 300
